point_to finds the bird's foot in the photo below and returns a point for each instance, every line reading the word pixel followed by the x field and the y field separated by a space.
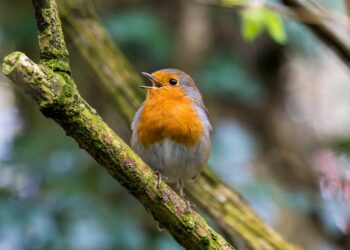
pixel 194 178
pixel 160 177
pixel 190 206
pixel 181 189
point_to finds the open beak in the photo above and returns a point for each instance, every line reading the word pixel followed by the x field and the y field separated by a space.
pixel 147 87
pixel 155 82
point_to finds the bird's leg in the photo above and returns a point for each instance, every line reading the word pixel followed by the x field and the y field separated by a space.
pixel 159 181
pixel 181 186
pixel 189 205
pixel 159 178
pixel 194 178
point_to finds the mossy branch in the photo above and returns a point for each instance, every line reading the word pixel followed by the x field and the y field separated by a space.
pixel 53 89
pixel 224 205
pixel 53 50
pixel 60 100
pixel 95 46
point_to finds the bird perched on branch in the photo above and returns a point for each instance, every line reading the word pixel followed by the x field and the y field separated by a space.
pixel 171 129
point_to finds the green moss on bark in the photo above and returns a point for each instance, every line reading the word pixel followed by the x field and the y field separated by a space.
pixel 98 49
pixel 60 100
pixel 53 51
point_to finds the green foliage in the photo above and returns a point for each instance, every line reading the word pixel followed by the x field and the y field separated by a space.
pixel 257 18
pixel 274 26
pixel 233 2
pixel 252 23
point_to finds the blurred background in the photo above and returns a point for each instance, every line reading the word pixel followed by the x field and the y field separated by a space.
pixel 279 102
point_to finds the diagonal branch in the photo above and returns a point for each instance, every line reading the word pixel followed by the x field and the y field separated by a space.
pixel 58 98
pixel 91 42
pixel 335 36
pixel 332 29
pixel 224 205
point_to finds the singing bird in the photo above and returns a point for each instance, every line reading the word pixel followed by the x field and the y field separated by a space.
pixel 171 129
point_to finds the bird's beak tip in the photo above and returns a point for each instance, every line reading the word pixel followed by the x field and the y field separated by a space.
pixel 146 74
pixel 155 82
pixel 149 77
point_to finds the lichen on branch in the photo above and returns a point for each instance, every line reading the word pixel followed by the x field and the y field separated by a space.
pixel 53 50
pixel 61 101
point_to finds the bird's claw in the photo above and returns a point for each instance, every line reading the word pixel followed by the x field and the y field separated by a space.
pixel 181 189
pixel 190 206
pixel 160 177
pixel 194 178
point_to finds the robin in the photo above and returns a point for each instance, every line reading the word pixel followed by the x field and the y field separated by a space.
pixel 171 129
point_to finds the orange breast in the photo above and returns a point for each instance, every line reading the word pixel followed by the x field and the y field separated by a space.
pixel 168 113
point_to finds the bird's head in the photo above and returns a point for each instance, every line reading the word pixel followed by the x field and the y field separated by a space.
pixel 173 80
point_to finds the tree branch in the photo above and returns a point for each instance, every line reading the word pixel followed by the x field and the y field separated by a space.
pixel 336 38
pixel 224 205
pixel 53 50
pixel 276 7
pixel 323 24
pixel 58 98
pixel 93 45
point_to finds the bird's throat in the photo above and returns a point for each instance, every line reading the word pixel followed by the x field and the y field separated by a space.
pixel 168 113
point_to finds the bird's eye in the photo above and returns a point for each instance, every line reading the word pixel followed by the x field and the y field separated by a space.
pixel 173 81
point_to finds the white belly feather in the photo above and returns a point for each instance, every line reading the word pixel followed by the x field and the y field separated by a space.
pixel 175 161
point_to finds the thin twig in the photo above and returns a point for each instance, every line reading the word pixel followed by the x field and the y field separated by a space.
pixel 329 27
pixel 297 14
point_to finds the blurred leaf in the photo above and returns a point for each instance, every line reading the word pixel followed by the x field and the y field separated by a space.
pixel 233 2
pixel 274 26
pixel 256 19
pixel 252 23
